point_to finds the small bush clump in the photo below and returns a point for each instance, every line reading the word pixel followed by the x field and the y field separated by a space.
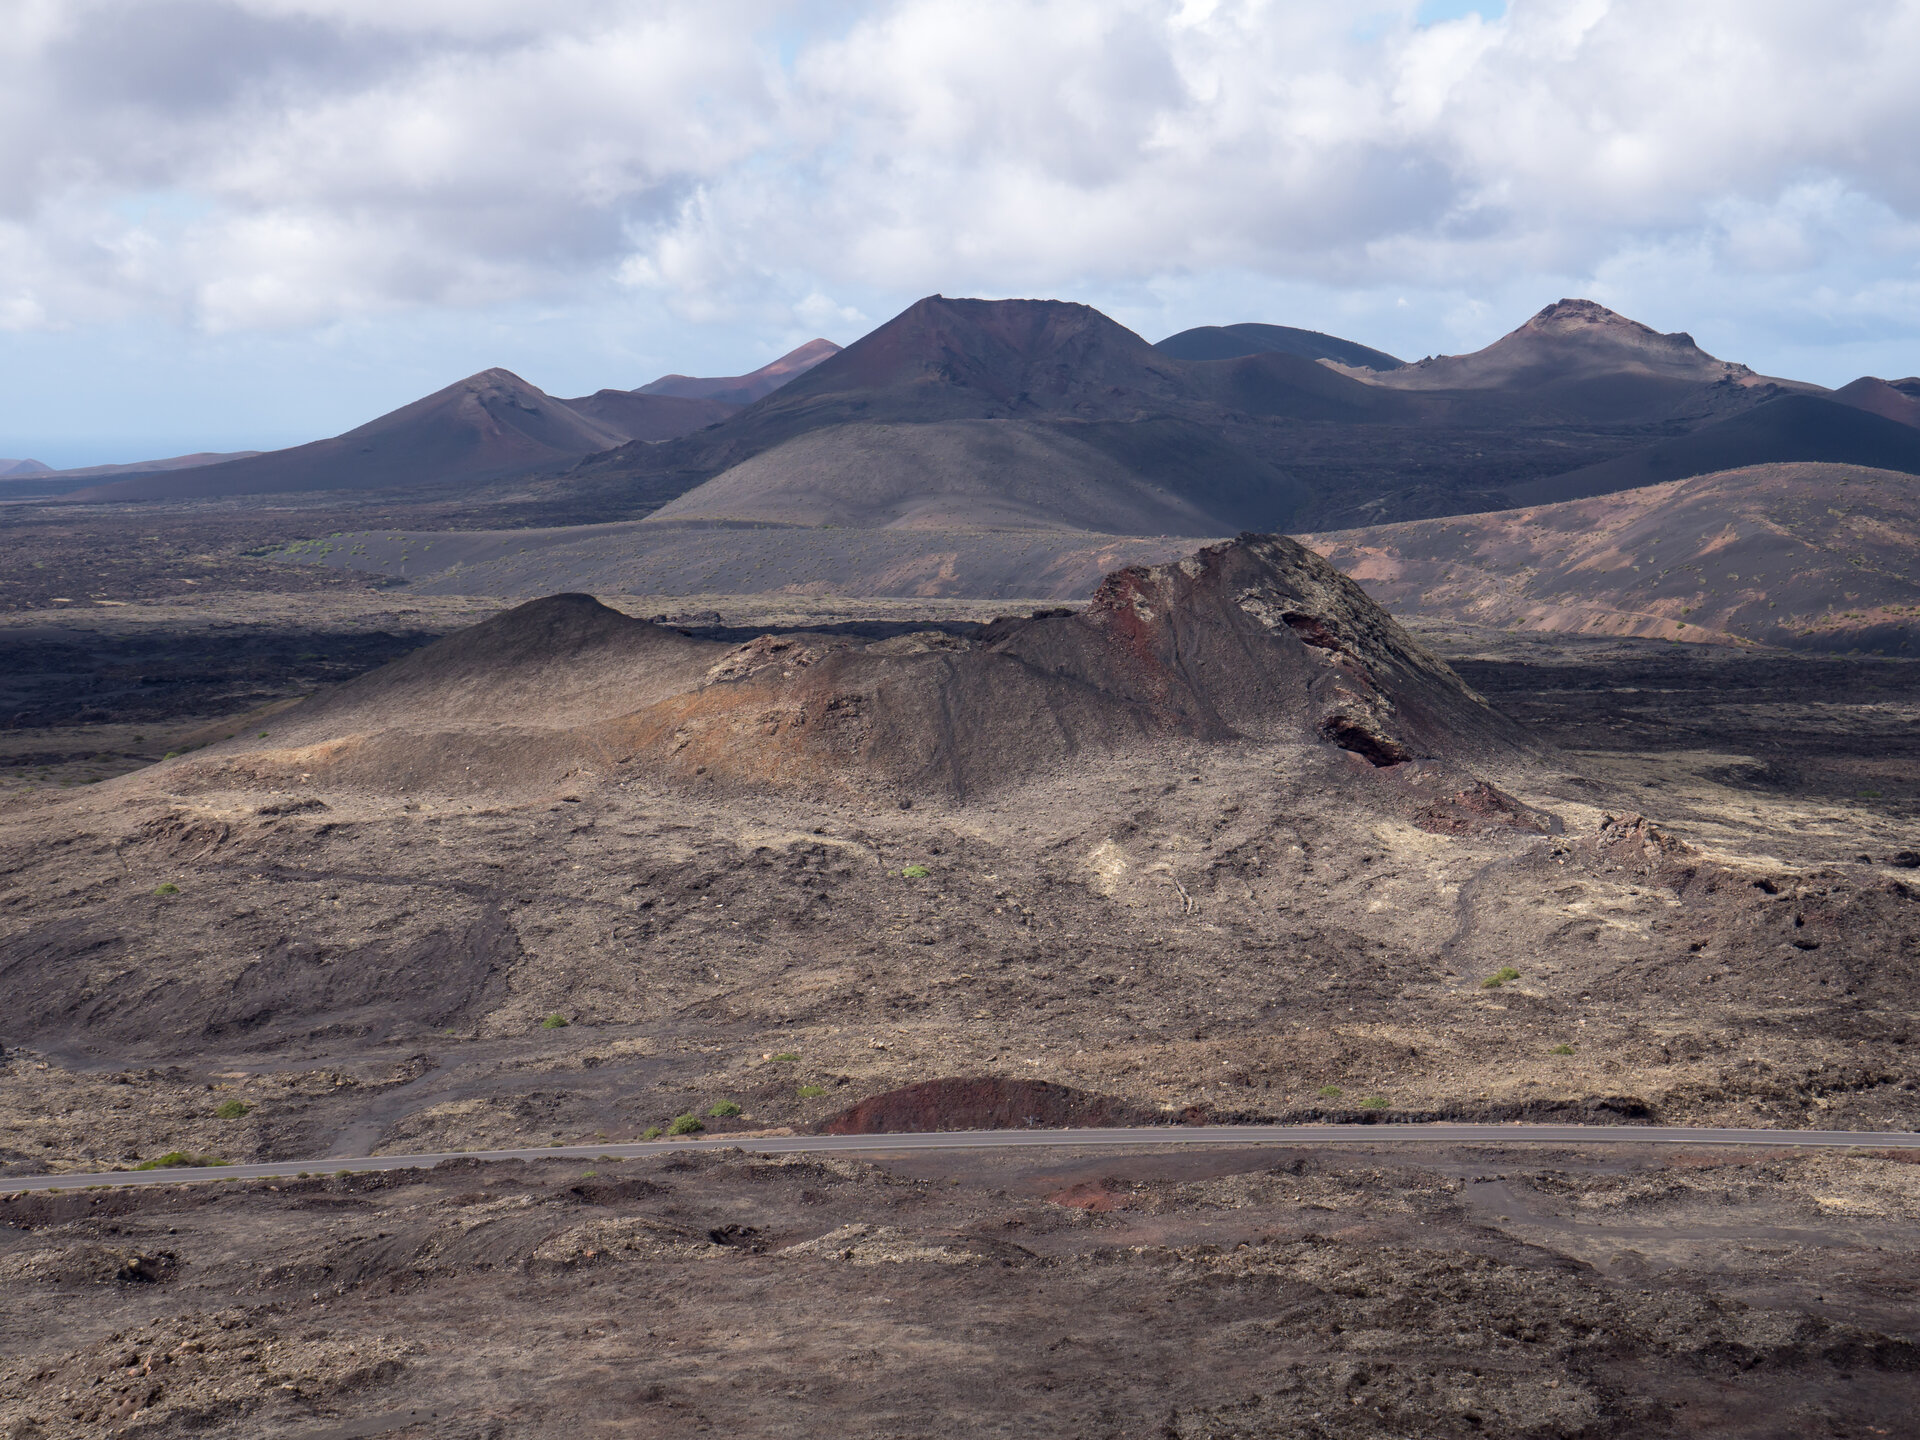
pixel 688 1124
pixel 1561 1049
pixel 812 1092
pixel 724 1110
pixel 555 1022
pixel 1374 1102
pixel 1499 978
pixel 652 1132
pixel 916 872
pixel 1329 1092
pixel 785 1057
pixel 232 1109
pixel 166 888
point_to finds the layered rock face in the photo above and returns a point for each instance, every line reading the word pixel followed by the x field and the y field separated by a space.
pixel 1256 640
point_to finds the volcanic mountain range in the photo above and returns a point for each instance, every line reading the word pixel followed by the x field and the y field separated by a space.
pixel 1023 414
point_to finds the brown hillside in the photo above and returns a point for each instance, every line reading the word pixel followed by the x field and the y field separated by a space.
pixel 1897 401
pixel 1823 557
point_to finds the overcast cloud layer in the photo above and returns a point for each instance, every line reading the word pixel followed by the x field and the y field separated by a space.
pixel 312 209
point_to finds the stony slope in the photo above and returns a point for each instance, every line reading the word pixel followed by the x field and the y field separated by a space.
pixel 1822 557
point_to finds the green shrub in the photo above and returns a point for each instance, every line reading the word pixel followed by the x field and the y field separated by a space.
pixel 812 1092
pixel 652 1132
pixel 688 1124
pixel 554 1022
pixel 1499 978
pixel 177 1159
pixel 1329 1092
pixel 168 888
pixel 916 872
pixel 723 1110
pixel 785 1057
pixel 1374 1102
pixel 232 1109
pixel 1562 1049
pixel 590 1175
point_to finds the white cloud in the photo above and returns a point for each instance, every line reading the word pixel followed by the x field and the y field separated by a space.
pixel 261 164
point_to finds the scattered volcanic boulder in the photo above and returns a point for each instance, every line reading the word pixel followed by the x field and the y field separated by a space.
pixel 1230 342
pixel 1255 640
pixel 744 389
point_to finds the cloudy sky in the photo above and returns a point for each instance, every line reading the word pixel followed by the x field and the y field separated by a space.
pixel 253 222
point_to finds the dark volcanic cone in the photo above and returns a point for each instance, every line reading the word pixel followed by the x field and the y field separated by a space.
pixel 1256 641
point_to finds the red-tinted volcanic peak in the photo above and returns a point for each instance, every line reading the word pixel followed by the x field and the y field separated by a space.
pixel 1570 340
pixel 744 389
pixel 1898 400
pixel 1017 356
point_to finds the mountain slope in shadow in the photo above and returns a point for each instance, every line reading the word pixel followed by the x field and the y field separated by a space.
pixel 1789 428
pixel 1230 342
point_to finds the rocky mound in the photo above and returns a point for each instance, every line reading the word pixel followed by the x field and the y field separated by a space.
pixel 1254 640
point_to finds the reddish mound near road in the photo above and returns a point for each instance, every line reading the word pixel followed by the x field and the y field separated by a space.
pixel 984 1103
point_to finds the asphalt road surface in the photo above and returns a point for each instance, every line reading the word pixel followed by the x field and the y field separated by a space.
pixel 1114 1139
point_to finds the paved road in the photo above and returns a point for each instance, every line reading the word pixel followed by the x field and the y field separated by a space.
pixel 1115 1139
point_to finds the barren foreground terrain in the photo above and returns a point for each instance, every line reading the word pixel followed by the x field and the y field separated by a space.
pixel 1698 903
pixel 1241 1293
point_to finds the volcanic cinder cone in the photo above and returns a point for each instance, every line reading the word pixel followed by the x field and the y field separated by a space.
pixel 1254 641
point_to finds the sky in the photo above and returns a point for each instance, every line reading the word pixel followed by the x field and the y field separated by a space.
pixel 246 223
